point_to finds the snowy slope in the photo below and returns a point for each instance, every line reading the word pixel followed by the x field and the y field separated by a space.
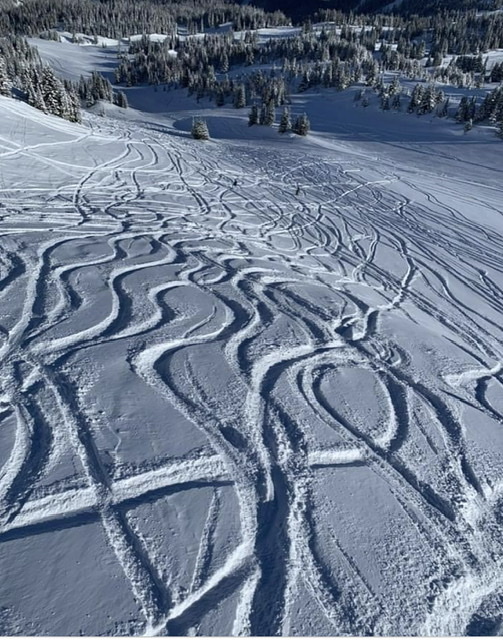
pixel 250 408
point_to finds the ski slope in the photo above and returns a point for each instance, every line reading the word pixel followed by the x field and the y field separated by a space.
pixel 270 407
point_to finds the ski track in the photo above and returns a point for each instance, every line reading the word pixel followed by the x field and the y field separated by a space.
pixel 301 288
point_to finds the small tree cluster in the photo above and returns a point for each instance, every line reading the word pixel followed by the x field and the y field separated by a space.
pixel 425 99
pixel 301 125
pixel 21 68
pixel 94 88
pixel 47 93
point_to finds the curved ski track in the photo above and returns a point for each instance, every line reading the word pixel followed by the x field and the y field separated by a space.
pixel 301 288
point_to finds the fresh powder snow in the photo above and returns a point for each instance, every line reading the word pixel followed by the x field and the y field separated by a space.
pixel 251 385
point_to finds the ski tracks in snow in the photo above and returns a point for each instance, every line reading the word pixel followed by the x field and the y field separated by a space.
pixel 290 298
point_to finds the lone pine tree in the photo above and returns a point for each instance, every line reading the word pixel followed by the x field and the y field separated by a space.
pixel 199 129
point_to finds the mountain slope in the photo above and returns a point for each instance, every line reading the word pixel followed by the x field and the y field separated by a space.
pixel 428 7
pixel 250 386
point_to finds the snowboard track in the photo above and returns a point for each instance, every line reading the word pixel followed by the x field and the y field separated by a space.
pixel 156 255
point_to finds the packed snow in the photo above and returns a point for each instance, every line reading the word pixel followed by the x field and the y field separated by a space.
pixel 252 385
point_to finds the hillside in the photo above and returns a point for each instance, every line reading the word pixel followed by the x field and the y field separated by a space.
pixel 300 10
pixel 253 385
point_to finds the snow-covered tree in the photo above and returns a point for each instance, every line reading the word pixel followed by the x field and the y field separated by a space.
pixel 240 97
pixel 415 99
pixel 199 129
pixel 385 106
pixel 253 116
pixel 302 125
pixel 5 81
pixel 428 100
pixel 443 109
pixel 54 94
pixel 285 123
pixel 267 113
pixel 35 98
pixel 120 99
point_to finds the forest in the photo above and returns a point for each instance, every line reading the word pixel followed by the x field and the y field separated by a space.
pixel 332 48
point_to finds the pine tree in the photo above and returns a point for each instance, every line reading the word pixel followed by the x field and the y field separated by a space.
pixel 285 124
pixel 270 113
pixel 415 99
pixel 240 97
pixel 385 102
pixel 263 114
pixel 428 101
pixel 199 129
pixel 120 99
pixel 302 125
pixel 35 98
pixel 462 114
pixel 443 109
pixel 253 116
pixel 74 107
pixel 394 87
pixel 224 63
pixel 53 94
pixel 5 82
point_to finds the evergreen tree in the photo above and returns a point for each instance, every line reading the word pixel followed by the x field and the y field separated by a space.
pixel 270 113
pixel 394 87
pixel 262 114
pixel 385 102
pixel 35 98
pixel 74 107
pixel 253 116
pixel 53 94
pixel 240 97
pixel 462 114
pixel 415 99
pixel 199 129
pixel 120 99
pixel 302 125
pixel 224 62
pixel 428 101
pixel 443 109
pixel 285 122
pixel 5 82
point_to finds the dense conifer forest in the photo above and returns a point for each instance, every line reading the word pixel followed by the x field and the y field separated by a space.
pixel 332 48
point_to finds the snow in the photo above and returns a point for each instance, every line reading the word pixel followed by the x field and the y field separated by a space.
pixel 235 408
pixel 71 60
pixel 154 37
